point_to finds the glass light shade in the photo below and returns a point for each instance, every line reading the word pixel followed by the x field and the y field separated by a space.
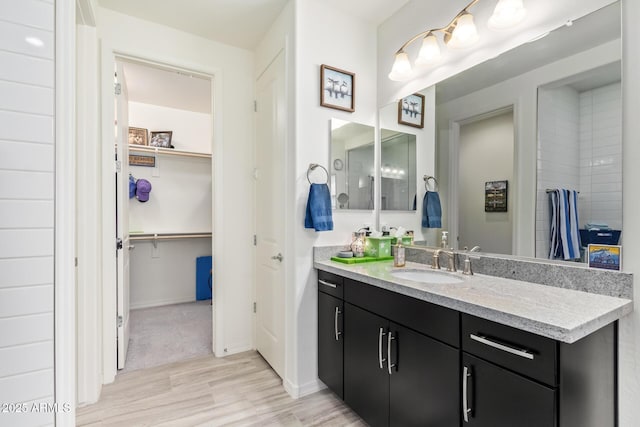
pixel 429 52
pixel 507 14
pixel 401 69
pixel 464 34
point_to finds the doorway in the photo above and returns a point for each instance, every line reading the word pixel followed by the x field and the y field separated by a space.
pixel 164 215
pixel 485 180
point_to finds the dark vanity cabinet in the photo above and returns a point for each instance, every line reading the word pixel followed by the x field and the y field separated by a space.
pixel 330 331
pixel 400 361
pixel 396 373
pixel 511 377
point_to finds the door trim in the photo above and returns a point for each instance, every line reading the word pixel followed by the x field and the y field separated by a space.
pixel 109 271
pixel 65 208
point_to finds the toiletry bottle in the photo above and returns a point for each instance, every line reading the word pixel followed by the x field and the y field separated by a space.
pixel 398 256
pixel 444 241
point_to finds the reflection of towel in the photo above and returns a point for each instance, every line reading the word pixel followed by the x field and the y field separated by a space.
pixel 318 214
pixel 431 210
pixel 565 237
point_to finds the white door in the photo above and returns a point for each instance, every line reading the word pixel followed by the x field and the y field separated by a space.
pixel 122 213
pixel 270 260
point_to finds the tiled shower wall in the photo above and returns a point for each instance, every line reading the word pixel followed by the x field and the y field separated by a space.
pixel 579 147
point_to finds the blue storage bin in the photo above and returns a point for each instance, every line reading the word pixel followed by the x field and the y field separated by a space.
pixel 204 277
pixel 599 237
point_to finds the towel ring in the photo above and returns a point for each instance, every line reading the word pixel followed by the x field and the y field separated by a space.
pixel 312 167
pixel 427 178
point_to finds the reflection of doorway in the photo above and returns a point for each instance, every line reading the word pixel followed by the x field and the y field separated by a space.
pixel 485 153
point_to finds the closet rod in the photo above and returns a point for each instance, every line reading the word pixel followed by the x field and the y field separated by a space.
pixel 168 236
pixel 169 151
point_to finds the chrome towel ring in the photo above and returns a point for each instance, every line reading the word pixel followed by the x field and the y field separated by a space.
pixel 428 178
pixel 312 167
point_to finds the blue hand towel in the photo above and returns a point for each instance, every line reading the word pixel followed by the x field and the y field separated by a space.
pixel 565 238
pixel 318 215
pixel 431 210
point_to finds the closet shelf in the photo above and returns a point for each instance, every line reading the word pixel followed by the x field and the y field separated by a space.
pixel 167 151
pixel 168 236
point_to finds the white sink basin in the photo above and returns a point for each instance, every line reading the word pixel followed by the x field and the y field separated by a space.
pixel 426 276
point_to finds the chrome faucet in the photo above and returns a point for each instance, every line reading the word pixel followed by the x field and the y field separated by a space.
pixel 451 259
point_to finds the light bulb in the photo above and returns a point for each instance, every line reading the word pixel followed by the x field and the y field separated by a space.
pixel 464 34
pixel 430 50
pixel 401 69
pixel 507 14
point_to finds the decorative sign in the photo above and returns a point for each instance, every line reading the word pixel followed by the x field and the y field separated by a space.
pixel 495 196
pixel 608 257
pixel 137 160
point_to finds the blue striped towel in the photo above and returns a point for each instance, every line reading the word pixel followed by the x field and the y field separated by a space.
pixel 564 236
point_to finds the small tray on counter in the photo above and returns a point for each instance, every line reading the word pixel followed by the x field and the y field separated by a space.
pixel 360 259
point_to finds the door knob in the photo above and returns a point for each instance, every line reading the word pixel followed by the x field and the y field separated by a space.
pixel 278 257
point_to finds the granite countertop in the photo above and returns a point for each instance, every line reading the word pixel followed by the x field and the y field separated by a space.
pixel 562 314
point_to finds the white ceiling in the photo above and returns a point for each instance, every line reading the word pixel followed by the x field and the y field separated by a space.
pixel 167 88
pixel 240 23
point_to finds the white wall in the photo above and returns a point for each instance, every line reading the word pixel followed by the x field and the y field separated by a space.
pixel 191 130
pixel 520 92
pixel 233 89
pixel 26 209
pixel 601 156
pixel 486 154
pixel 629 338
pixel 165 273
pixel 318 31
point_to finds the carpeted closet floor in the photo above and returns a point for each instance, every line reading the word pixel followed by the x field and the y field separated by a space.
pixel 171 333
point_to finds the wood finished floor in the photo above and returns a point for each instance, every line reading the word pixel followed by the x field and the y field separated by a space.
pixel 239 390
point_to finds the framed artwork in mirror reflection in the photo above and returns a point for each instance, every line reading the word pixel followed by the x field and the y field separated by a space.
pixel 337 88
pixel 411 110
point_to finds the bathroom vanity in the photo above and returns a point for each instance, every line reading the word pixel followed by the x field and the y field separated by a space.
pixel 487 351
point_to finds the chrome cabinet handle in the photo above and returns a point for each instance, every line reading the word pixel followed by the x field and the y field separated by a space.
pixel 517 352
pixel 335 323
pixel 331 285
pixel 380 359
pixel 465 389
pixel 390 365
pixel 279 257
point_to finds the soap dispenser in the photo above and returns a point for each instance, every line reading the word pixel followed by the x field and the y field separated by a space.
pixel 444 241
pixel 398 256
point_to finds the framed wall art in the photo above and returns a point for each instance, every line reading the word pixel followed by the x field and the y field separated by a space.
pixel 337 88
pixel 495 196
pixel 161 139
pixel 411 110
pixel 138 136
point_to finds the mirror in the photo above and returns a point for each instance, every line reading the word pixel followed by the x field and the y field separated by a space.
pixel 397 171
pixel 487 125
pixel 352 165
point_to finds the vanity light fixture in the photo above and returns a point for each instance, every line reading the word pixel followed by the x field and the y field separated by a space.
pixel 460 33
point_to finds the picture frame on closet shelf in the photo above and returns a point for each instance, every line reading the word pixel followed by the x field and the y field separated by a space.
pixel 337 88
pixel 161 139
pixel 138 136
pixel 411 110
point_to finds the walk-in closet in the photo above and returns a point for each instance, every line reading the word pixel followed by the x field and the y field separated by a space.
pixel 167 165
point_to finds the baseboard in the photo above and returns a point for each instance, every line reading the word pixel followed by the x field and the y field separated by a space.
pixel 300 391
pixel 159 303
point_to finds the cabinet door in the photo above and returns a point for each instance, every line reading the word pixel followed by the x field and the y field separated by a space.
pixel 330 341
pixel 366 380
pixel 424 380
pixel 496 397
